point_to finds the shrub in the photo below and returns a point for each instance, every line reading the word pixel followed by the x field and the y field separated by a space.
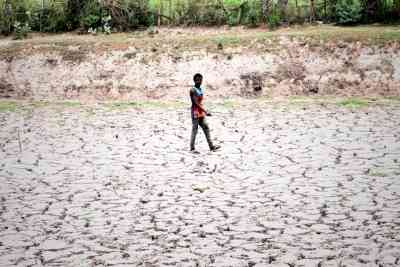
pixel 91 15
pixel 106 24
pixel 138 14
pixel 348 12
pixel 253 17
pixel 21 30
pixel 273 19
pixel 73 10
pixel 6 21
pixel 49 19
pixel 212 17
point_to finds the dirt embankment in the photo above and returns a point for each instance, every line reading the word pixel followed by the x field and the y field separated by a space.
pixel 233 67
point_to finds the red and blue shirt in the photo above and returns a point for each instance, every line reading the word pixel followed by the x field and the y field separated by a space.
pixel 196 95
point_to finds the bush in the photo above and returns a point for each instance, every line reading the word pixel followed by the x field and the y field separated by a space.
pixel 273 19
pixel 6 21
pixel 72 13
pixel 138 14
pixel 21 30
pixel 348 12
pixel 91 15
pixel 253 17
pixel 213 17
pixel 49 19
pixel 106 24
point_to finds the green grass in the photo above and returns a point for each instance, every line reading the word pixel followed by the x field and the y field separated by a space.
pixel 353 103
pixel 122 105
pixel 229 104
pixel 392 98
pixel 62 104
pixel 8 106
pixel 377 173
pixel 227 40
pixel 143 104
pixel 69 104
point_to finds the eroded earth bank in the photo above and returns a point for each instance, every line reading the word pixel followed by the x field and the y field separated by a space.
pixel 235 64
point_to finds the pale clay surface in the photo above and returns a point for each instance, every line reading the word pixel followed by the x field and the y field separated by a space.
pixel 292 186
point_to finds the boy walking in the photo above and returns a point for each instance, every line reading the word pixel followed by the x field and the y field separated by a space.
pixel 198 114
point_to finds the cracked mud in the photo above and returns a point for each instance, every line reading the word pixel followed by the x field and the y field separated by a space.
pixel 292 186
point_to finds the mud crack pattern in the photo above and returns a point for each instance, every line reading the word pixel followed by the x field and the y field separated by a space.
pixel 292 186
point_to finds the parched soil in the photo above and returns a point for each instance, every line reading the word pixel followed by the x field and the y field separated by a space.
pixel 293 185
pixel 236 63
pixel 90 183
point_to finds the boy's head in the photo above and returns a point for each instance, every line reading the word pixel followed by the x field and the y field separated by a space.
pixel 198 79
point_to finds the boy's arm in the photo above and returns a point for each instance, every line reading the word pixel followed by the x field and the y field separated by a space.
pixel 196 102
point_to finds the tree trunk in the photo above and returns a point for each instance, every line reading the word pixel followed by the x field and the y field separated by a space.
pixel 371 9
pixel 265 7
pixel 312 10
pixel 282 6
pixel 396 5
pixel 332 9
pixel 170 10
pixel 159 13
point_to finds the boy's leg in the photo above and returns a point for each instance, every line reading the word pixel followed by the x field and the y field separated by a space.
pixel 206 130
pixel 195 126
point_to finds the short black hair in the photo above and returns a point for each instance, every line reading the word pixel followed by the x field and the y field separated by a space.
pixel 197 75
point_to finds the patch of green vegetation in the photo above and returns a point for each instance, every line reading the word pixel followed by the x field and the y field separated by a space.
pixel 58 104
pixel 301 100
pixel 297 98
pixel 227 40
pixel 229 104
pixel 377 173
pixel 392 98
pixel 121 105
pixel 264 98
pixel 69 104
pixel 353 103
pixel 159 104
pixel 8 106
pixel 143 104
pixel 39 104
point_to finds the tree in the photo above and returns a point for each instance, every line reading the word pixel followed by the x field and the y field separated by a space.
pixel 312 10
pixel 6 18
pixel 282 6
pixel 396 4
pixel 73 12
pixel 265 8
pixel 371 8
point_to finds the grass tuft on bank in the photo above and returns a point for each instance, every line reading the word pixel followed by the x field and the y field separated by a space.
pixel 8 106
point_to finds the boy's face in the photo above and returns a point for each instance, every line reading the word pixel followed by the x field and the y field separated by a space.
pixel 198 81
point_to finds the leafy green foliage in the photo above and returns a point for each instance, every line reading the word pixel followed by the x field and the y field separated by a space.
pixel 253 18
pixel 91 16
pixel 273 19
pixel 21 30
pixel 72 13
pixel 213 16
pixel 67 15
pixel 348 12
pixel 252 14
pixel 49 19
pixel 136 14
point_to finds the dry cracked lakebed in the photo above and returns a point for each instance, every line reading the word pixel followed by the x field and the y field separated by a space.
pixel 292 186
